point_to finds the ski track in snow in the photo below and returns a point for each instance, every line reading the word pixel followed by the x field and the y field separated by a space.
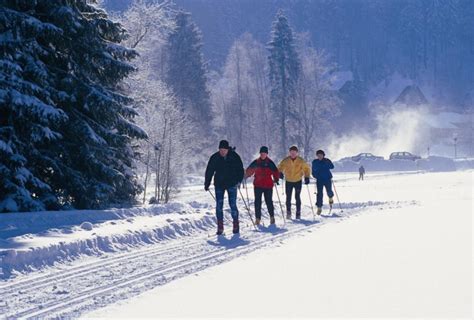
pixel 75 289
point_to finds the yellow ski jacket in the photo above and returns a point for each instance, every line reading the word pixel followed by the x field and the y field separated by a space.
pixel 294 169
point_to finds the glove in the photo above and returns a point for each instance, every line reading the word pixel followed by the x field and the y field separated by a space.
pixel 277 182
pixel 306 180
pixel 282 176
pixel 238 185
pixel 206 187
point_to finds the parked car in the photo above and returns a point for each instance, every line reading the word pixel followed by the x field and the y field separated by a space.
pixel 362 156
pixel 403 156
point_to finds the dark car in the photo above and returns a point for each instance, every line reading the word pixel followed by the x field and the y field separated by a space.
pixel 364 156
pixel 403 156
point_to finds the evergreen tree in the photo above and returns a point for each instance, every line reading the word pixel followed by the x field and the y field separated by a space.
pixel 65 128
pixel 186 70
pixel 284 70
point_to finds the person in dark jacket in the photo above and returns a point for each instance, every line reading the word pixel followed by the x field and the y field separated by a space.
pixel 361 172
pixel 321 169
pixel 228 171
pixel 266 174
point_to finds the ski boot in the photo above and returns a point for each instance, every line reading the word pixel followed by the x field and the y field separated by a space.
pixel 298 216
pixel 272 220
pixel 319 211
pixel 220 227
pixel 331 201
pixel 235 228
pixel 257 221
pixel 288 215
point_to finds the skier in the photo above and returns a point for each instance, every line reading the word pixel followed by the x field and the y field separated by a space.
pixel 266 174
pixel 361 172
pixel 293 168
pixel 228 171
pixel 321 169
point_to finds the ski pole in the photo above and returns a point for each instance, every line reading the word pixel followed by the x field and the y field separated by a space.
pixel 248 210
pixel 247 193
pixel 246 203
pixel 212 195
pixel 281 207
pixel 337 196
pixel 311 202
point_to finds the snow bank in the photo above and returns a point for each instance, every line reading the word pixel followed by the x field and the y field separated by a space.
pixel 437 164
pixel 34 240
pixel 464 164
pixel 18 223
pixel 60 237
pixel 432 163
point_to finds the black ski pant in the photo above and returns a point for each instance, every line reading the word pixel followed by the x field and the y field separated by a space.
pixel 320 184
pixel 268 194
pixel 289 186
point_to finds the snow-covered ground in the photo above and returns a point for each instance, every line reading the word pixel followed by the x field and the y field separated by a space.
pixel 401 247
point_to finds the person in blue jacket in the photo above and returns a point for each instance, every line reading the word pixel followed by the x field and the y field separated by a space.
pixel 321 169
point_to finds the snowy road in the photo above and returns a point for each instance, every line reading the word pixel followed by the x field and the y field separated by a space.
pixel 117 280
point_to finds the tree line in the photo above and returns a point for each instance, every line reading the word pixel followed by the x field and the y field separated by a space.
pixel 99 110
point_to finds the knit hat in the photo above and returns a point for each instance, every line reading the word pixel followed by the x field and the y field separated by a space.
pixel 320 152
pixel 293 147
pixel 264 149
pixel 224 144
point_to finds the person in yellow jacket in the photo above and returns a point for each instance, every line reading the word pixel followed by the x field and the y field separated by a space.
pixel 293 168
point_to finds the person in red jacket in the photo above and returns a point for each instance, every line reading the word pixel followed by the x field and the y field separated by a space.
pixel 266 174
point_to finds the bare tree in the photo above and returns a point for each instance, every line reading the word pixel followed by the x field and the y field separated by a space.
pixel 168 128
pixel 241 96
pixel 317 103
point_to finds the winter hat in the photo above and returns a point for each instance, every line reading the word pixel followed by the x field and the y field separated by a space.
pixel 293 147
pixel 264 149
pixel 320 152
pixel 224 144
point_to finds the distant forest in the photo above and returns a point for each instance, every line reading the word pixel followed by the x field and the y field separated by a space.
pixel 428 41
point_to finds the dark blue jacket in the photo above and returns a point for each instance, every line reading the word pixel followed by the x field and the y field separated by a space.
pixel 321 169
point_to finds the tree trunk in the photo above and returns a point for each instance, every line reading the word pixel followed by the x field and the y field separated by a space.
pixel 146 175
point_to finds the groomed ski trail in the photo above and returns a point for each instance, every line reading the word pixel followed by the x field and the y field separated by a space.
pixel 76 289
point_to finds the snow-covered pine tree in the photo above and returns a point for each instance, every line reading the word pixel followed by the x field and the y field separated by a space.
pixel 65 128
pixel 284 71
pixel 186 70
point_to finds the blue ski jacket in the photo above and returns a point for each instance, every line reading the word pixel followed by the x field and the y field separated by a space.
pixel 321 169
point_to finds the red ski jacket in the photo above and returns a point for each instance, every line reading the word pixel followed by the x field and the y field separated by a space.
pixel 265 171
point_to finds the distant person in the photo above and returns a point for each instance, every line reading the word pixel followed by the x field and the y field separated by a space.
pixel 321 169
pixel 266 174
pixel 361 172
pixel 228 171
pixel 293 168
